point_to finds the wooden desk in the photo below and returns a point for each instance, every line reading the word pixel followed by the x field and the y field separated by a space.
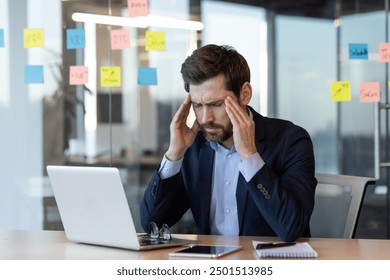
pixel 46 245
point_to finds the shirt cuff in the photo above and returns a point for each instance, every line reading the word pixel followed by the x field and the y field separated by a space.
pixel 169 168
pixel 250 166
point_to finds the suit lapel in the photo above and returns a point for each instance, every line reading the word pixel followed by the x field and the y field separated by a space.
pixel 206 160
pixel 259 130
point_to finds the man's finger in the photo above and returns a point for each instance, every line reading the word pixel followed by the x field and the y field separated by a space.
pixel 236 109
pixel 183 111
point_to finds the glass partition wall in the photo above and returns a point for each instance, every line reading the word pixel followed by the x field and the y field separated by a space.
pixel 126 125
pixel 350 137
pixel 78 90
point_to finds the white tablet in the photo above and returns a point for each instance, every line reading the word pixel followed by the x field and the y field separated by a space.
pixel 205 251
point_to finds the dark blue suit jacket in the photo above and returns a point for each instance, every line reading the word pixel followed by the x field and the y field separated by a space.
pixel 278 201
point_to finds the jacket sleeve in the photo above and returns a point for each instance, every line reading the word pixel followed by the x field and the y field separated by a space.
pixel 164 202
pixel 283 189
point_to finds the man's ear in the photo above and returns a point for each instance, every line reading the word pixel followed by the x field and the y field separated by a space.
pixel 246 93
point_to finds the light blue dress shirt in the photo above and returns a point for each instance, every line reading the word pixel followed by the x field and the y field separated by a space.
pixel 227 165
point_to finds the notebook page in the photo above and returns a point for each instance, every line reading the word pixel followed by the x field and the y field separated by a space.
pixel 299 250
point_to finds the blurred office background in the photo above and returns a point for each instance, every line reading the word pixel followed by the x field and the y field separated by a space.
pixel 295 49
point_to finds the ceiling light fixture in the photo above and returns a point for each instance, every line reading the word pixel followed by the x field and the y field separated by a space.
pixel 140 22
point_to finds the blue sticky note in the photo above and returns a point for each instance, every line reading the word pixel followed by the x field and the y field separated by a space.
pixel 1 38
pixel 358 51
pixel 75 38
pixel 147 76
pixel 33 74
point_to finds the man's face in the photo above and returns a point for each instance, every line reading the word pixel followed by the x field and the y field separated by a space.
pixel 208 101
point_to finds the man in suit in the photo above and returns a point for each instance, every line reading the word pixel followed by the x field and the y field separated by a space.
pixel 240 173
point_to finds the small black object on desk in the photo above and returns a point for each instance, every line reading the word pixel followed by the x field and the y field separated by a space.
pixel 261 246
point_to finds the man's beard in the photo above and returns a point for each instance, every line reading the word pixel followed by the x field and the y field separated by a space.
pixel 218 136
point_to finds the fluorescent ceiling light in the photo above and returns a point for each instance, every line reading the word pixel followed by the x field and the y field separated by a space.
pixel 140 22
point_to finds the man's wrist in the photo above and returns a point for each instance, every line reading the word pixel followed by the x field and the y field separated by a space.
pixel 173 156
pixel 250 166
pixel 169 168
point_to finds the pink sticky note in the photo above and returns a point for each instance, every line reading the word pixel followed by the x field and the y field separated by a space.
pixel 137 8
pixel 370 92
pixel 120 39
pixel 384 52
pixel 78 75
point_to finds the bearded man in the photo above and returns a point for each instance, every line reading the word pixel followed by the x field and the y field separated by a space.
pixel 239 172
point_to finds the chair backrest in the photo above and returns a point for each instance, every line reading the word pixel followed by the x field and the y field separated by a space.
pixel 338 201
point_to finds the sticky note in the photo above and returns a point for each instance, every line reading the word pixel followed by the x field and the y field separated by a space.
pixel 78 75
pixel 33 74
pixel 341 91
pixel 137 8
pixel 384 52
pixel 155 41
pixel 358 51
pixel 1 38
pixel 110 76
pixel 75 38
pixel 147 76
pixel 370 92
pixel 120 39
pixel 33 38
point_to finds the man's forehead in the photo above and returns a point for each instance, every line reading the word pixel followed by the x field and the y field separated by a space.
pixel 207 99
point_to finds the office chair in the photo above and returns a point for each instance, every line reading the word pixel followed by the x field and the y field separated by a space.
pixel 338 201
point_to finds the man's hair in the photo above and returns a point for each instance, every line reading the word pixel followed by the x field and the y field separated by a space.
pixel 210 61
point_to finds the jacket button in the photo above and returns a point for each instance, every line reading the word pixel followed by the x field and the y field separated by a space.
pixel 267 196
pixel 260 187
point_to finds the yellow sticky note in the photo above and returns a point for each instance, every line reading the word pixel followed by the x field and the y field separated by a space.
pixel 110 76
pixel 341 91
pixel 33 38
pixel 155 41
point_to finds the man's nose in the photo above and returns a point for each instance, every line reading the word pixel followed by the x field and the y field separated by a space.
pixel 208 115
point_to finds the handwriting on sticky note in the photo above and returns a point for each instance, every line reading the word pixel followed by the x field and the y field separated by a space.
pixel 120 39
pixel 147 76
pixel 358 51
pixel 341 91
pixel 75 38
pixel 1 38
pixel 110 76
pixel 384 52
pixel 33 74
pixel 370 92
pixel 137 8
pixel 155 41
pixel 33 38
pixel 78 75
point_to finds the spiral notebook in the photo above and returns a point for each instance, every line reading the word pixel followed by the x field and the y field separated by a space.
pixel 299 250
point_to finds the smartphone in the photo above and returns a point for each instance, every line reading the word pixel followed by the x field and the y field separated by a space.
pixel 205 251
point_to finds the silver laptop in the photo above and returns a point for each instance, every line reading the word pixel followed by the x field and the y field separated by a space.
pixel 94 208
